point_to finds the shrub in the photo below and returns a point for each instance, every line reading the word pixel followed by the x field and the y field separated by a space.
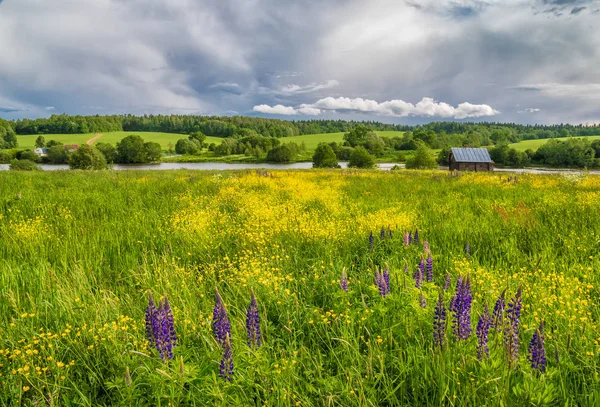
pixel 324 157
pixel 6 156
pixel 360 158
pixel 87 158
pixel 186 146
pixel 423 158
pixel 24 165
pixel 40 142
pixel 281 154
pixel 131 150
pixel 108 151
pixel 153 151
pixel 28 155
pixel 57 154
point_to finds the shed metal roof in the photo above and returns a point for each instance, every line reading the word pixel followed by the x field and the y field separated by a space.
pixel 471 155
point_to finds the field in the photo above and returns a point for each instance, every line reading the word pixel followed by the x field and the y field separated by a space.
pixel 535 144
pixel 312 140
pixel 81 250
pixel 164 139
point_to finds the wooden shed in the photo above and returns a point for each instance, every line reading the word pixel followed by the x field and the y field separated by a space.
pixel 470 159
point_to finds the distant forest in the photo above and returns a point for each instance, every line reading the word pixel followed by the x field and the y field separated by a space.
pixel 240 126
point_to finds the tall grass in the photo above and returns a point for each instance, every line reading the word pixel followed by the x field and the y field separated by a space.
pixel 80 251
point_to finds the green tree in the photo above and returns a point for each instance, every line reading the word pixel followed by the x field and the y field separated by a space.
pixel 423 158
pixel 108 151
pixel 153 151
pixel 40 142
pixel 443 156
pixel 24 165
pixel 357 136
pixel 198 136
pixel 28 155
pixel 282 154
pixel 87 158
pixel 131 150
pixel 360 158
pixel 57 154
pixel 186 146
pixel 324 157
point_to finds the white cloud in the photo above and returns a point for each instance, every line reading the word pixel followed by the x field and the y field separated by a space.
pixel 427 107
pixel 277 109
pixel 313 87
pixel 530 110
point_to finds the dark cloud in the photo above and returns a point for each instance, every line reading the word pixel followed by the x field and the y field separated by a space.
pixel 217 56
pixel 8 109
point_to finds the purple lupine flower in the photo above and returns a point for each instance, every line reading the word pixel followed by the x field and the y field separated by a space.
pixel 483 328
pixel 386 278
pixel 220 323
pixel 447 282
pixel 537 352
pixel 371 241
pixel 426 247
pixel 423 301
pixel 253 323
pixel 380 282
pixel 418 276
pixel 150 319
pixel 498 313
pixel 410 238
pixel 406 240
pixel 226 365
pixel 163 339
pixel 439 322
pixel 511 327
pixel 416 239
pixel 429 266
pixel 382 233
pixel 170 323
pixel 344 281
pixel 468 249
pixel 461 308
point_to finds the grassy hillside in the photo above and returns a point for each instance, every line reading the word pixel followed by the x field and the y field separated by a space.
pixel 535 144
pixel 79 252
pixel 313 140
pixel 111 137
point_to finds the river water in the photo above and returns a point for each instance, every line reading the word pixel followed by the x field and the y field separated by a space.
pixel 293 166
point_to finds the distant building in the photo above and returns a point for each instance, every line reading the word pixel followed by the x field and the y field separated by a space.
pixel 42 152
pixel 71 147
pixel 470 159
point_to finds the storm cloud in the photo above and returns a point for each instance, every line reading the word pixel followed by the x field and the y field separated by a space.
pixel 397 61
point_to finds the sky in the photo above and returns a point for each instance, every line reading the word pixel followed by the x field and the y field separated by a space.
pixel 395 61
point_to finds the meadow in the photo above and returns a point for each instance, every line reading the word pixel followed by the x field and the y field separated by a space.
pixel 166 140
pixel 535 144
pixel 352 310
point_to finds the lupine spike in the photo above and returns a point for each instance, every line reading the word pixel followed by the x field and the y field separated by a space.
pixel 426 247
pixel 483 328
pixel 382 233
pixel 447 282
pixel 386 278
pixel 418 276
pixel 380 282
pixel 253 323
pixel 423 301
pixel 371 241
pixel 439 322
pixel 220 323
pixel 511 327
pixel 226 365
pixel 150 317
pixel 468 249
pixel 429 267
pixel 170 323
pixel 537 352
pixel 410 238
pixel 406 239
pixel 416 240
pixel 344 281
pixel 461 308
pixel 498 313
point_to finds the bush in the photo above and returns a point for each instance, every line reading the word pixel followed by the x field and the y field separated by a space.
pixel 423 158
pixel 281 154
pixel 24 165
pixel 131 150
pixel 186 146
pixel 6 156
pixel 87 158
pixel 108 151
pixel 57 154
pixel 153 151
pixel 324 157
pixel 443 156
pixel 40 142
pixel 360 158
pixel 28 155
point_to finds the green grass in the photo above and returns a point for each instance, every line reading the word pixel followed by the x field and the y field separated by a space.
pixel 164 139
pixel 312 140
pixel 535 144
pixel 80 250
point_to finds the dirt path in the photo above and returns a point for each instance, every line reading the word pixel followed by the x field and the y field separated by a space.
pixel 93 139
